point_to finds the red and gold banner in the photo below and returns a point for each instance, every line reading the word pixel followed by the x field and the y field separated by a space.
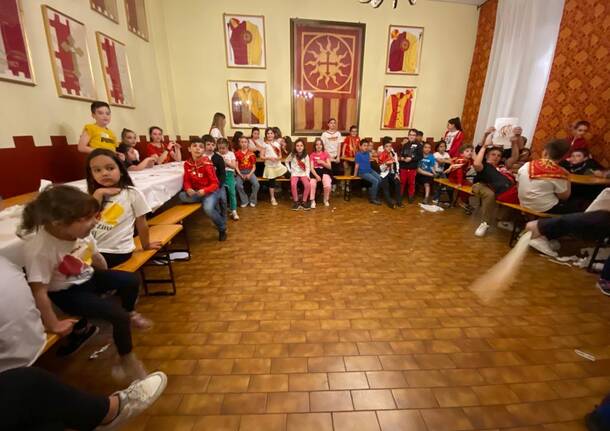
pixel 326 74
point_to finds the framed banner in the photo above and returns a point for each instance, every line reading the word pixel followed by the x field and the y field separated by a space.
pixel 108 8
pixel 398 107
pixel 115 68
pixel 67 40
pixel 245 41
pixel 404 50
pixel 15 62
pixel 326 62
pixel 247 104
pixel 136 18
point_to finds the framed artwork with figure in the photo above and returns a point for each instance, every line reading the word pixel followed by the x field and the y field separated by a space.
pixel 115 68
pixel 136 18
pixel 108 8
pixel 247 104
pixel 15 61
pixel 404 50
pixel 398 107
pixel 67 41
pixel 245 41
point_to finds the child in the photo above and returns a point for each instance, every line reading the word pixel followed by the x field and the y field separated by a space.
pixel 286 145
pixel 246 164
pixel 580 163
pixel 443 159
pixel 457 171
pixel 410 155
pixel 454 136
pixel 363 169
pixel 97 134
pixel 217 129
pixel 127 147
pixel 298 164
pixel 332 144
pixel 122 207
pixel 351 144
pixel 419 136
pixel 201 185
pixel 235 141
pixel 230 165
pixel 388 165
pixel 255 143
pixel 272 156
pixel 426 170
pixel 320 172
pixel 64 266
pixel 130 139
pixel 165 153
pixel 578 142
pixel 220 169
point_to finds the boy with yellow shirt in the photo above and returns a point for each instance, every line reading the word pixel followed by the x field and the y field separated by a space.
pixel 98 135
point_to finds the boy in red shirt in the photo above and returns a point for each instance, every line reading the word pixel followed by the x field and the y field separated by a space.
pixel 350 146
pixel 201 184
pixel 246 165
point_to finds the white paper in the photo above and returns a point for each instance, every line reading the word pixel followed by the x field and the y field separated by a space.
pixel 504 131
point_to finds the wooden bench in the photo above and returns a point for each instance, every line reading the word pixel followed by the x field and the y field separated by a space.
pixel 347 192
pixel 176 215
pixel 52 339
pixel 140 258
pixel 18 200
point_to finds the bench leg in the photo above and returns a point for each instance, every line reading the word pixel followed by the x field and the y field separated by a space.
pixel 347 191
pixel 163 256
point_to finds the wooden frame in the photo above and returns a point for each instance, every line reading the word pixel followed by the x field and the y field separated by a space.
pixel 107 8
pixel 226 18
pixel 420 38
pixel 25 52
pixel 123 94
pixel 137 23
pixel 390 90
pixel 361 27
pixel 232 87
pixel 82 84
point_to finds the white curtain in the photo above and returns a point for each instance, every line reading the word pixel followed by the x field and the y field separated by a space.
pixel 520 62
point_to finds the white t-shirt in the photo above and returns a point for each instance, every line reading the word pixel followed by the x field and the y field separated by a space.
pixel 58 263
pixel 216 133
pixel 270 152
pixel 22 336
pixel 114 231
pixel 538 194
pixel 332 143
pixel 229 157
pixel 441 159
pixel 254 145
pixel 296 170
pixel 449 138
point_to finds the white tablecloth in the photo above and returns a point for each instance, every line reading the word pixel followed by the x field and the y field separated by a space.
pixel 157 184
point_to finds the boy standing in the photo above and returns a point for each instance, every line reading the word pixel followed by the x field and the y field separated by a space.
pixel 97 134
pixel 219 165
pixel 410 155
pixel 388 165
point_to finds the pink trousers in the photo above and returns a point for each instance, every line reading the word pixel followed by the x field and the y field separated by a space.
pixel 326 183
pixel 293 187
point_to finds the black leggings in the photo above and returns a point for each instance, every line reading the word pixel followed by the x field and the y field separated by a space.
pixel 85 300
pixel 32 399
pixel 115 259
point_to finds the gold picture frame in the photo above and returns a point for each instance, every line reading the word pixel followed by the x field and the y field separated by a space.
pixel 109 47
pixel 391 118
pixel 24 54
pixel 252 28
pixel 110 9
pixel 241 118
pixel 400 39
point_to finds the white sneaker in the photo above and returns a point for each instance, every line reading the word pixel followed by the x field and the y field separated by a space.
pixel 506 225
pixel 273 202
pixel 139 396
pixel 140 322
pixel 313 204
pixel 252 204
pixel 482 229
pixel 234 215
pixel 542 245
pixel 244 205
pixel 326 203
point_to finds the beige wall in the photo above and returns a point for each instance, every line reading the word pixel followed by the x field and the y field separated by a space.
pixel 38 111
pixel 195 51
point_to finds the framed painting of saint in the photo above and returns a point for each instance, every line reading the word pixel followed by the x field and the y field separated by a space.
pixel 108 8
pixel 404 50
pixel 247 104
pixel 115 68
pixel 136 18
pixel 15 62
pixel 245 41
pixel 398 107
pixel 67 41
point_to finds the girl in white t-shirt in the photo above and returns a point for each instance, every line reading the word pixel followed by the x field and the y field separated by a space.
pixel 332 144
pixel 217 129
pixel 230 164
pixel 299 166
pixel 64 267
pixel 272 156
pixel 122 207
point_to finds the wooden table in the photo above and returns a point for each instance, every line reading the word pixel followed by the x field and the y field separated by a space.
pixel 589 180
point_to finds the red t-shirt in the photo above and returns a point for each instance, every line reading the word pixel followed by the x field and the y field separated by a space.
pixel 245 161
pixel 153 150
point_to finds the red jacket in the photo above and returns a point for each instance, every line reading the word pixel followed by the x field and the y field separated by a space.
pixel 576 144
pixel 454 151
pixel 200 175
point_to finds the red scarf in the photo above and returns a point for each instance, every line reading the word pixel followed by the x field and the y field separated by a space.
pixel 301 163
pixel 278 151
pixel 545 168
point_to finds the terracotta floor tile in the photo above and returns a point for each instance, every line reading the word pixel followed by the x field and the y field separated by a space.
pixel 378 399
pixel 263 423
pixel 309 422
pixel 325 364
pixel 177 423
pixel 446 420
pixel 362 363
pixel 534 391
pixel 289 365
pixel 244 403
pixel 251 366
pixel 305 350
pixel 237 351
pixel 178 367
pixel 187 384
pixel 269 383
pixel 271 351
pixel 288 402
pixel 361 421
pixel 329 401
pixel 398 362
pixel 495 394
pixel 425 378
pixel 166 404
pixel 224 338
pixel 386 379
pixel 200 404
pixel 401 420
pixel 217 423
pixel 455 397
pixel 340 349
pixel 374 348
pixel 225 384
pixel 349 380
pixel 490 417
pixel 214 366
pixel 308 382
pixel 420 398
pixel 463 377
pixel 433 361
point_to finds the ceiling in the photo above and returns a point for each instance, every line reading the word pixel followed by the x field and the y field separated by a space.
pixel 472 2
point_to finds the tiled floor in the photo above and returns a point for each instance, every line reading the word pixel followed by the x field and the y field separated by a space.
pixel 360 318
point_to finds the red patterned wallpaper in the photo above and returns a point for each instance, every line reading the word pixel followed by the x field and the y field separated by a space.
pixel 478 69
pixel 579 84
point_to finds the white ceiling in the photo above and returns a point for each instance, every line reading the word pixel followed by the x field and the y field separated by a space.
pixel 472 2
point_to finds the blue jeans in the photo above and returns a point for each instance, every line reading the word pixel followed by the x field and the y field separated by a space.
pixel 209 203
pixel 240 188
pixel 373 178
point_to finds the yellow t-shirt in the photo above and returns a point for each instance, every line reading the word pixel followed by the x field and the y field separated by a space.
pixel 101 137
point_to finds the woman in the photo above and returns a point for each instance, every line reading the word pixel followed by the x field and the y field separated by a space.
pixel 454 137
